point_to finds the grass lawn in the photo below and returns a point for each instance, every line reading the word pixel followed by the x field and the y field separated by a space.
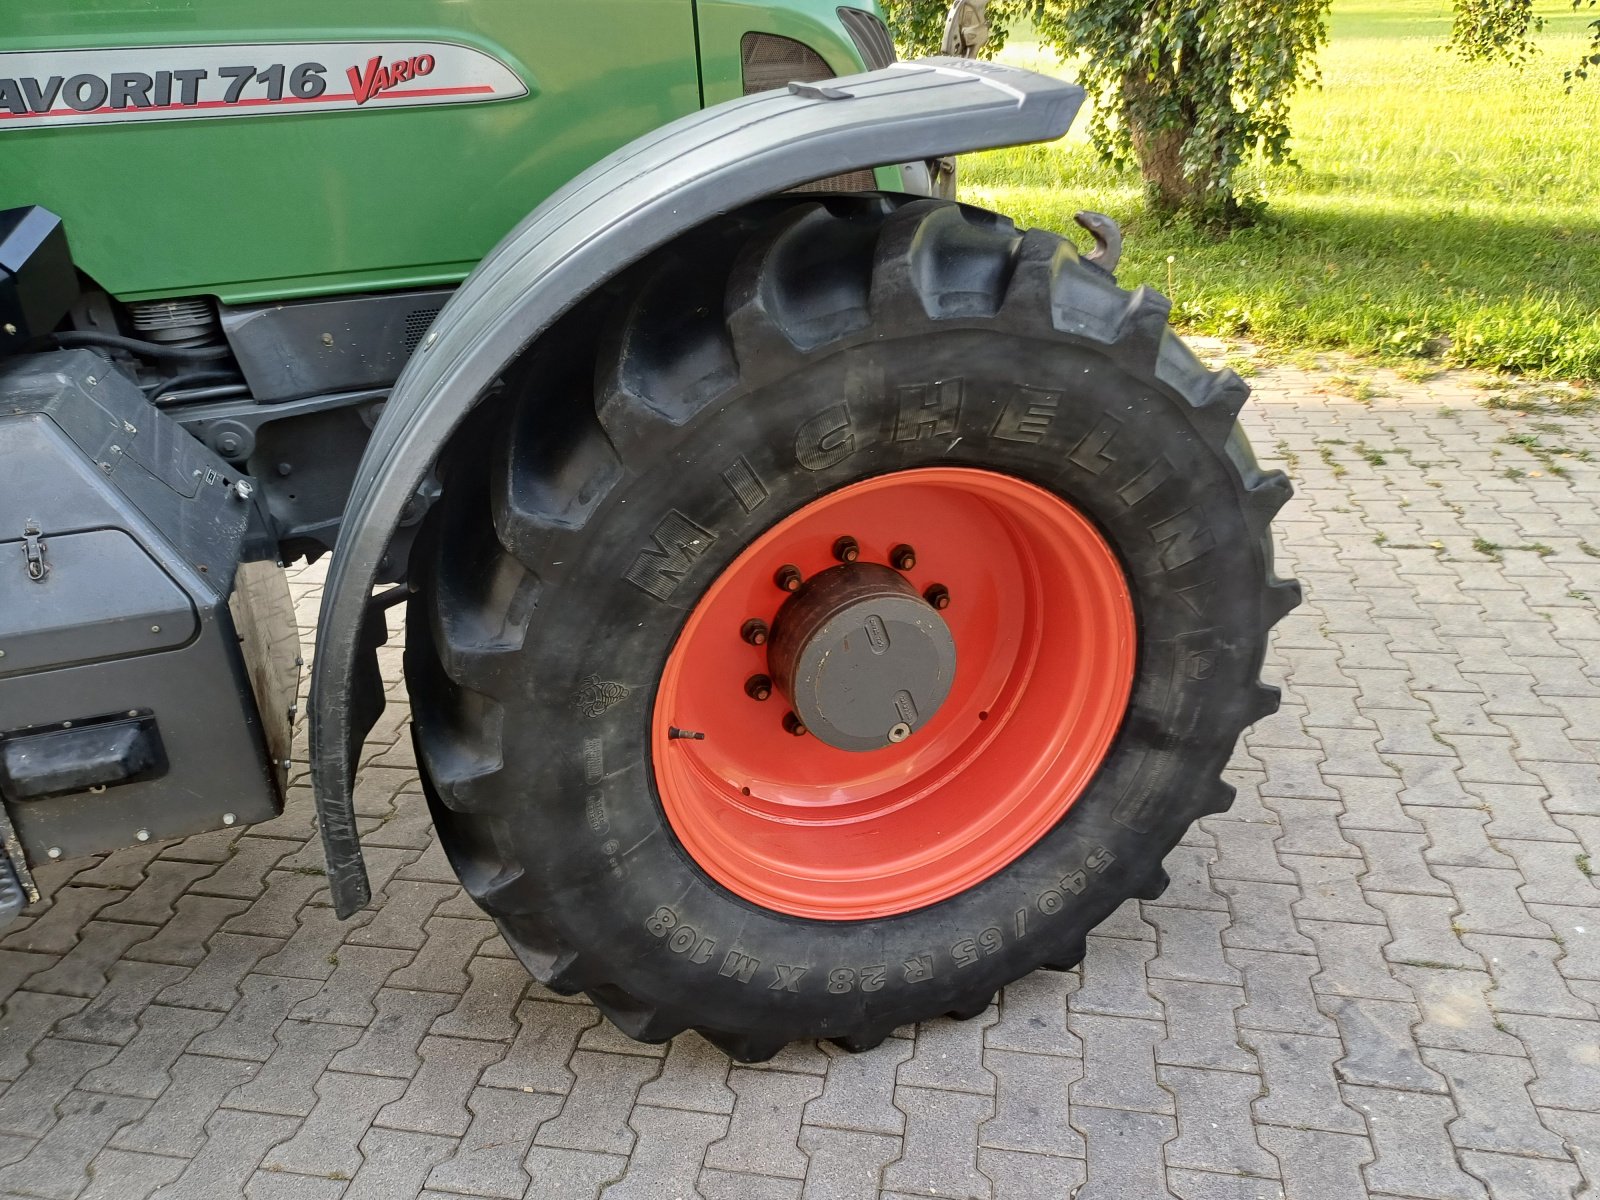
pixel 1435 208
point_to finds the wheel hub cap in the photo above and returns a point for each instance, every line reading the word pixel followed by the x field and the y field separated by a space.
pixel 864 660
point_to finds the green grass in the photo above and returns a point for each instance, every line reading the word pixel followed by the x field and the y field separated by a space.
pixel 1436 208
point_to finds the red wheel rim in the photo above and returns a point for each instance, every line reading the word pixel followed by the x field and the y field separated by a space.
pixel 1044 633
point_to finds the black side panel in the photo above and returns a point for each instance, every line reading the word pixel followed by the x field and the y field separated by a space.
pixel 126 705
pixel 37 281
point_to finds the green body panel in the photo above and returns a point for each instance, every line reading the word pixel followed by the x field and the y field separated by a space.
pixel 285 204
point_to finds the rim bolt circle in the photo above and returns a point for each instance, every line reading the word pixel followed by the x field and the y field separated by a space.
pixel 792 724
pixel 758 687
pixel 937 595
pixel 902 557
pixel 847 549
pixel 754 631
pixel 788 577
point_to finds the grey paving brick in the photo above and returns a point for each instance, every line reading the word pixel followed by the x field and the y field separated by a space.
pixel 1125 1153
pixel 736 1185
pixel 1578 931
pixel 214 984
pixel 151 903
pixel 1127 921
pixel 249 1028
pixel 1566 1059
pixel 487 1009
pixel 312 952
pixel 845 1164
pixel 1424 932
pixel 25 1020
pixel 389 1046
pixel 16 968
pixel 1352 961
pixel 1262 919
pixel 121 1175
pixel 328 1139
pixel 1033 1015
pixel 606 1038
pixel 1317 1165
pixel 14 1148
pixel 440 966
pixel 940 1155
pixel 175 1124
pixel 1119 1064
pixel 1214 1126
pixel 1114 981
pixel 539 1057
pixel 1551 873
pixel 667 1156
pixel 1491 1094
pixel 286 1082
pixel 1201 1026
pixel 397 1163
pixel 401 922
pixel 57 1165
pixel 1414 1153
pixel 1457 838
pixel 1031 1104
pixel 1330 892
pixel 1573 787
pixel 1455 1011
pixel 1278 991
pixel 1580 1133
pixel 694 1077
pixel 1311 827
pixel 1190 943
pixel 1247 850
pixel 141 1068
pixel 579 1174
pixel 1208 1185
pixel 1379 1051
pixel 82 971
pixel 1518 814
pixel 1372 804
pixel 1016 1174
pixel 182 940
pixel 1526 979
pixel 595 1115
pixel 235 1143
pixel 27 1107
pixel 949 1054
pixel 57 929
pixel 1397 862
pixel 272 1185
pixel 244 875
pixel 764 1134
pixel 436 1100
pixel 1512 1177
pixel 1300 1089
pixel 1189 868
pixel 346 997
pixel 120 869
pixel 489 1160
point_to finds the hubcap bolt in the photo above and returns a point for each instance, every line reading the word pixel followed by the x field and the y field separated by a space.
pixel 847 549
pixel 792 724
pixel 758 687
pixel 754 631
pixel 788 577
pixel 937 595
pixel 902 558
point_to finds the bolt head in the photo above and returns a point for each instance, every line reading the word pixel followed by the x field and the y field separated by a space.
pixel 792 724
pixel 143 835
pixel 788 577
pixel 758 687
pixel 155 629
pixel 902 558
pixel 937 595
pixel 228 818
pixel 754 631
pixel 899 731
pixel 54 852
pixel 847 549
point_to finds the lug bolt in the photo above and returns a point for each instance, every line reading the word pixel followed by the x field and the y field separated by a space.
pixel 937 595
pixel 754 631
pixel 758 687
pixel 902 557
pixel 788 577
pixel 847 549
pixel 792 724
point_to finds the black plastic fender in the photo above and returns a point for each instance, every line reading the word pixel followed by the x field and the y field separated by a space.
pixel 611 215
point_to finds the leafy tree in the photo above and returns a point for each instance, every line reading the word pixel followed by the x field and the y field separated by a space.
pixel 1189 89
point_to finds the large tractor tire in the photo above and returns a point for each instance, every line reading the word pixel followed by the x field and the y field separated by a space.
pixel 836 620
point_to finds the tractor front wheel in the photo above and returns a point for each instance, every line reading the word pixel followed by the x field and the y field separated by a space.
pixel 859 600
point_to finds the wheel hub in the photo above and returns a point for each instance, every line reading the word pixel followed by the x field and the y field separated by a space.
pixel 864 660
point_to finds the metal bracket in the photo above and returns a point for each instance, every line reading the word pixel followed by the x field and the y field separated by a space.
pixel 34 547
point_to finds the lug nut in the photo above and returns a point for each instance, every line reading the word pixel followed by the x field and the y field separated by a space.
pixel 902 558
pixel 788 577
pixel 758 687
pixel 937 595
pixel 792 724
pixel 754 631
pixel 847 549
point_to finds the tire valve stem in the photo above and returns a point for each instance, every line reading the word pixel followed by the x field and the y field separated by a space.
pixel 676 734
pixel 758 687
pixel 902 557
pixel 792 724
pixel 788 577
pixel 847 549
pixel 937 595
pixel 754 631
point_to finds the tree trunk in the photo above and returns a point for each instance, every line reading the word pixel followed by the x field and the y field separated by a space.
pixel 1158 146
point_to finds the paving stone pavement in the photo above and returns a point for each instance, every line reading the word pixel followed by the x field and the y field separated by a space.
pixel 1377 975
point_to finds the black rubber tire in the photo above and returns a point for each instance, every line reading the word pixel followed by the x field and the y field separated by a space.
pixel 779 338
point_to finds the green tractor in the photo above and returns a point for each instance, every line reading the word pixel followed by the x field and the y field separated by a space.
pixel 824 601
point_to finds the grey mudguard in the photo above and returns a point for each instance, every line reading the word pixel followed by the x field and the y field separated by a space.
pixel 625 206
